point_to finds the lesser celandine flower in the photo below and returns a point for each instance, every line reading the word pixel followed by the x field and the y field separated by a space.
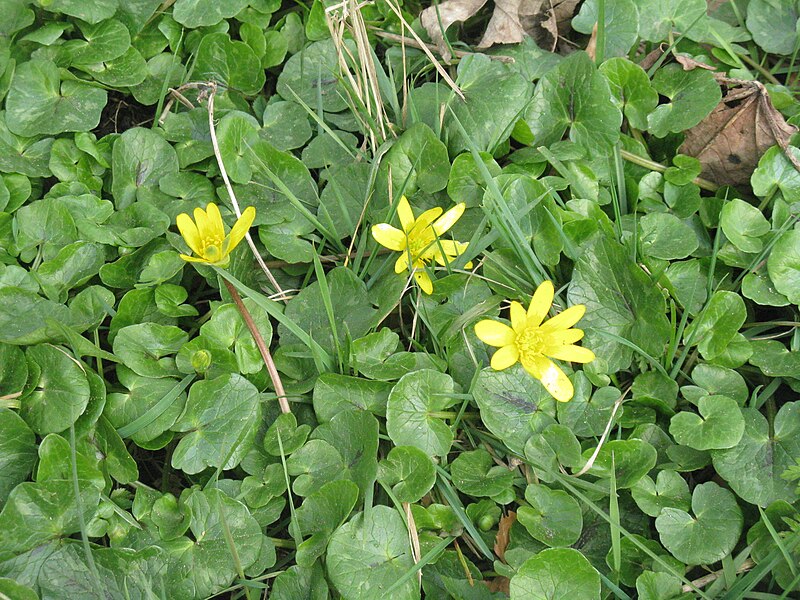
pixel 206 234
pixel 534 342
pixel 420 241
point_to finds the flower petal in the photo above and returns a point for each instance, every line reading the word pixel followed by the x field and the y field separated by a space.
pixel 424 220
pixel 540 303
pixel 203 223
pixel 552 377
pixel 565 319
pixel 401 264
pixel 554 339
pixel 448 219
pixel 571 353
pixel 189 232
pixel 424 280
pixel 240 229
pixel 505 357
pixel 215 221
pixel 495 333
pixel 389 237
pixel 406 214
pixel 518 320
pixel 193 259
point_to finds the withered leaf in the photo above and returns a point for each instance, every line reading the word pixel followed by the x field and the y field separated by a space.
pixel 730 141
pixel 503 534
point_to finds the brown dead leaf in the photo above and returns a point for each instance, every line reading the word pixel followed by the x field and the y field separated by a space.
pixel 498 584
pixel 503 531
pixel 730 141
pixel 544 20
pixel 690 63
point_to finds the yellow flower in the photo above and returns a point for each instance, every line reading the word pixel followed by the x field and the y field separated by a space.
pixel 420 240
pixel 206 234
pixel 533 342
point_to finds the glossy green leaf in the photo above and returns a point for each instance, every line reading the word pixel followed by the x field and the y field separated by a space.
pixel 693 95
pixel 668 490
pixel 409 471
pixel 556 574
pixel 720 424
pixel 553 517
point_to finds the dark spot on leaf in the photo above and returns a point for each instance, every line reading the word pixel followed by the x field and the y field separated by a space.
pixel 732 158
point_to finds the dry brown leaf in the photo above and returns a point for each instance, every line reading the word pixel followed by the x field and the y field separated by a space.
pixel 510 21
pixel 503 531
pixel 690 63
pixel 498 584
pixel 730 141
pixel 438 17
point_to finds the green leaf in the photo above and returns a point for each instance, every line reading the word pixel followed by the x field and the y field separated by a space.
pixel 754 467
pixel 349 300
pixel 475 474
pixel 127 70
pixel 140 159
pixel 743 224
pixel 342 200
pixel 495 99
pixel 775 172
pixel 658 586
pixel 39 102
pixel 554 447
pixel 655 390
pixel 693 94
pixel 665 236
pixel 321 513
pixel 630 86
pixel 408 418
pixel 621 24
pixel 630 460
pixel 228 329
pixel 658 18
pixel 284 436
pixel 556 574
pixel 554 517
pixel 774 25
pixel 668 490
pixel 286 125
pixel 334 393
pixel 202 13
pixel 106 40
pixel 13 371
pixel 313 75
pixel 574 97
pixel 369 554
pixel 221 416
pixel 301 582
pixel 465 183
pixel 73 266
pixel 783 265
pixel 205 567
pixel 59 390
pixel 91 12
pixel 344 448
pixel 719 380
pixel 708 536
pixel 759 288
pixel 157 402
pixel 620 299
pixel 774 359
pixel 25 155
pixel 408 471
pixel 717 325
pixel 12 589
pixel 417 160
pixel 231 63
pixel 17 451
pixel 720 424
pixel 146 348
pixel 508 401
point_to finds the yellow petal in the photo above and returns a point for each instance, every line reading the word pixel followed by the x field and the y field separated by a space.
pixel 189 232
pixel 203 225
pixel 518 319
pixel 193 259
pixel 215 221
pixel 552 377
pixel 402 263
pixel 540 304
pixel 240 229
pixel 389 237
pixel 406 214
pixel 424 220
pixel 565 319
pixel 494 333
pixel 556 339
pixel 571 353
pixel 424 280
pixel 505 357
pixel 448 250
pixel 448 219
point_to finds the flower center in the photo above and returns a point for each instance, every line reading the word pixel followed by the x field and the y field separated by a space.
pixel 530 342
pixel 211 248
pixel 421 246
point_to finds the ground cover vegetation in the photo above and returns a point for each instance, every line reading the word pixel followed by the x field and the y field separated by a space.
pixel 389 300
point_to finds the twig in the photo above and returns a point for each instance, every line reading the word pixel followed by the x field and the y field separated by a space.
pixel 262 347
pixel 602 441
pixel 654 166
pixel 420 45
pixel 706 579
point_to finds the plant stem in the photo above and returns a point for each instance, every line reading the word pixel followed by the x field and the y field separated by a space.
pixel 654 166
pixel 262 347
